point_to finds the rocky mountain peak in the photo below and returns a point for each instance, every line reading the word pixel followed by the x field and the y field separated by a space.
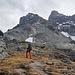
pixel 56 17
pixel 55 14
pixel 31 18
pixel 31 15
pixel 62 22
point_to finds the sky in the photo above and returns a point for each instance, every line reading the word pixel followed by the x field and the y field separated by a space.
pixel 12 10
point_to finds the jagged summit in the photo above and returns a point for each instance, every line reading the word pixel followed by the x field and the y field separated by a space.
pixel 62 22
pixel 31 18
pixel 55 14
pixel 56 17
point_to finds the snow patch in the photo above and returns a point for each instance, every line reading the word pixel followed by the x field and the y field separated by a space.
pixel 72 37
pixel 60 24
pixel 74 24
pixel 57 23
pixel 64 23
pixel 65 34
pixel 30 35
pixel 30 39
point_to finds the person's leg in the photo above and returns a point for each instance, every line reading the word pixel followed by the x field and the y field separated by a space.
pixel 27 54
pixel 30 54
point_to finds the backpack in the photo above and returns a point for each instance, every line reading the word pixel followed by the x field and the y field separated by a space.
pixel 26 45
pixel 29 46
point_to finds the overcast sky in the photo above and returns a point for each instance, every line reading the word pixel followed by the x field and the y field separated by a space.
pixel 12 10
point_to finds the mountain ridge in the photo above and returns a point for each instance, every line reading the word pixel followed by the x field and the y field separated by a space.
pixel 62 22
pixel 41 30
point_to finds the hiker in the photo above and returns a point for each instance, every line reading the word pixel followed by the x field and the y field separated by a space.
pixel 29 49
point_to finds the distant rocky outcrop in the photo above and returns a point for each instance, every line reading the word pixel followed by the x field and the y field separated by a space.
pixel 62 22
pixel 55 17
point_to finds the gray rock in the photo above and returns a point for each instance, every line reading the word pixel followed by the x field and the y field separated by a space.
pixel 3 48
pixel 49 63
pixel 66 60
pixel 62 22
pixel 3 55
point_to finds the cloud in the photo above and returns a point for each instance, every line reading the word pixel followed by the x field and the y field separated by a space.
pixel 12 10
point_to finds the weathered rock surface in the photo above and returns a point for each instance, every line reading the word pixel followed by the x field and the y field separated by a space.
pixel 3 48
pixel 62 22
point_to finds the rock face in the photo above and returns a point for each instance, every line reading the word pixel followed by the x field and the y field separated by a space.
pixel 2 44
pixel 3 49
pixel 62 22
pixel 38 27
pixel 55 17
pixel 31 18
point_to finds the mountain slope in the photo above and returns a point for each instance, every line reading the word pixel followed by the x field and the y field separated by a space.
pixel 38 27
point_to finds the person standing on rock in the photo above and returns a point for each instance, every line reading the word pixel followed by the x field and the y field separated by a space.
pixel 29 50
